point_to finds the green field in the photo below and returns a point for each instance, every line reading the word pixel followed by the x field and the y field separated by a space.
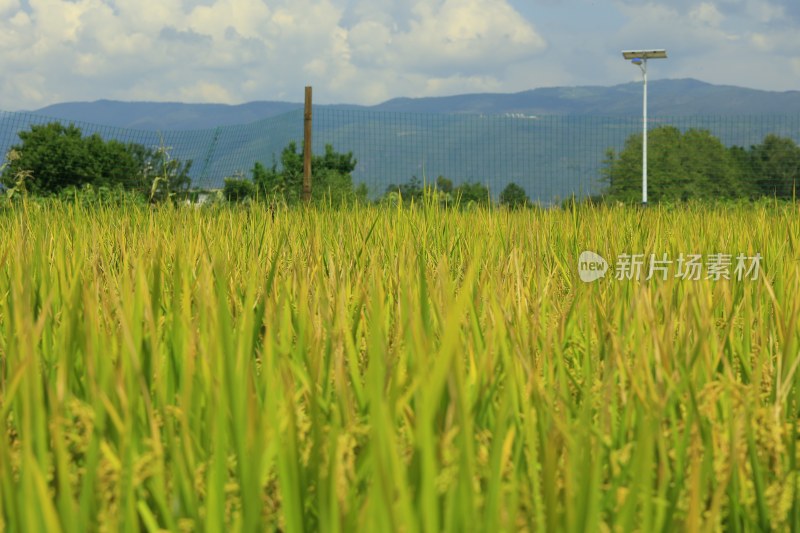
pixel 394 370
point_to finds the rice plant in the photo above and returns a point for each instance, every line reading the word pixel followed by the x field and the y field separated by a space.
pixel 385 369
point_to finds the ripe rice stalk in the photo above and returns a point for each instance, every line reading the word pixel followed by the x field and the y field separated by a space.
pixel 394 369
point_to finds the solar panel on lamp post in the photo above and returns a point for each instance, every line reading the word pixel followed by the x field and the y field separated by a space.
pixel 639 58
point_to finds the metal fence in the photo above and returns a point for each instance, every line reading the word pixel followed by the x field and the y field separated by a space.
pixel 551 157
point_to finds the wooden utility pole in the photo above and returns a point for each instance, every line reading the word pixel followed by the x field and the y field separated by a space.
pixel 307 149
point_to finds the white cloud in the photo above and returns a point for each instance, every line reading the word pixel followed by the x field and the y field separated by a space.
pixel 366 51
pixel 441 46
pixel 764 11
pixel 8 6
pixel 237 50
pixel 22 82
pixel 247 17
pixel 370 41
pixel 733 42
pixel 148 16
pixel 466 36
pixel 761 41
pixel 707 13
pixel 205 92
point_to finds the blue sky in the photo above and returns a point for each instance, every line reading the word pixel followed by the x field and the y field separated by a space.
pixel 367 51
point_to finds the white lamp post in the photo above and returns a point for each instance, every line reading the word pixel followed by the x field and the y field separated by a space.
pixel 639 58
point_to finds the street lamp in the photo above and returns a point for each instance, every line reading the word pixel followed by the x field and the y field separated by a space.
pixel 639 58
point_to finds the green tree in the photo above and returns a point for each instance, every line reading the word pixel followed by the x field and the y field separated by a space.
pixel 443 193
pixel 331 176
pixel 743 160
pixel 473 193
pixel 53 157
pixel 238 189
pixel 514 196
pixel 694 164
pixel 774 167
pixel 262 176
pixel 412 190
pixel 57 156
pixel 163 177
pixel 444 185
pixel 118 164
pixel 415 191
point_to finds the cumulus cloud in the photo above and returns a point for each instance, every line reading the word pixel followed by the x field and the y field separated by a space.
pixel 238 50
pixel 448 38
pixel 740 42
pixel 366 51
pixel 707 13
pixel 8 6
pixel 459 35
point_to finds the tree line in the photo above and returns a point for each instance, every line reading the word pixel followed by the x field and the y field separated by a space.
pixel 443 193
pixel 55 159
pixel 696 165
pixel 332 179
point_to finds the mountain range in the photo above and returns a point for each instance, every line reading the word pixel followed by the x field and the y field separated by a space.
pixel 551 141
pixel 681 97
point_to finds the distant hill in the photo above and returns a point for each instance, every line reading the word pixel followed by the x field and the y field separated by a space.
pixel 165 115
pixel 551 141
pixel 666 97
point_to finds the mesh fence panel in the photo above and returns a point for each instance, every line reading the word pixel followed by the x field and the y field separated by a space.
pixel 551 157
pixel 215 153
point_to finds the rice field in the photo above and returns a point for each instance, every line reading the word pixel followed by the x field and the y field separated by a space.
pixel 395 370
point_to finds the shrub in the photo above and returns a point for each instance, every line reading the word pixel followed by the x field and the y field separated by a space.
pixel 332 178
pixel 238 189
pixel 473 192
pixel 514 197
pixel 53 157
